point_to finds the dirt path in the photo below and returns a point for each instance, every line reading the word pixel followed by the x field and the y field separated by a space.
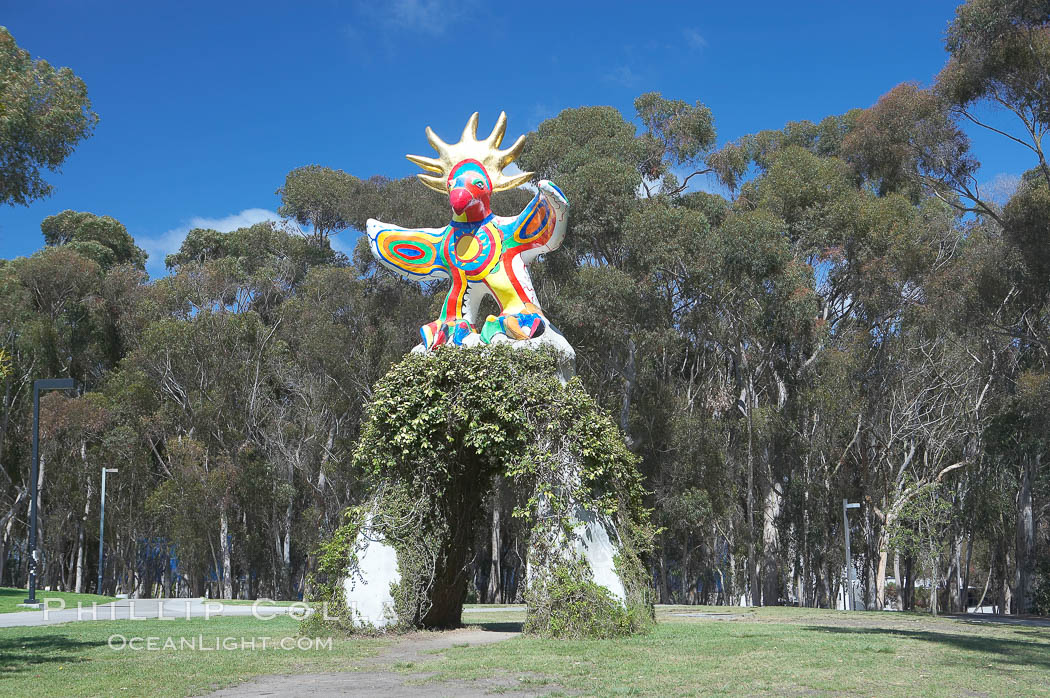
pixel 378 677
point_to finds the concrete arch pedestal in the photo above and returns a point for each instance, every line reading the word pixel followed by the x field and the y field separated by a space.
pixel 590 541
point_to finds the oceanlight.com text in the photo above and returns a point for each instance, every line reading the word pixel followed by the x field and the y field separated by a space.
pixel 200 643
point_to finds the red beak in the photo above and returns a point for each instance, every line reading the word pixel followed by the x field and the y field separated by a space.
pixel 460 198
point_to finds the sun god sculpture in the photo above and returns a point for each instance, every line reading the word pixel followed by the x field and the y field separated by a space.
pixel 482 254
pixel 410 545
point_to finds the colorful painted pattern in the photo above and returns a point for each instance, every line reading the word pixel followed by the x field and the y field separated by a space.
pixel 413 252
pixel 486 256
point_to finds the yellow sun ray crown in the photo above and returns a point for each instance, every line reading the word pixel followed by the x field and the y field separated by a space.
pixel 486 151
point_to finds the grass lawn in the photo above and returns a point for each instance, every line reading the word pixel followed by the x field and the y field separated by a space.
pixel 10 598
pixel 693 651
pixel 775 651
pixel 468 607
pixel 78 659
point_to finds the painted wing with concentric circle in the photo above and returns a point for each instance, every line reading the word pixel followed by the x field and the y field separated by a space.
pixel 411 252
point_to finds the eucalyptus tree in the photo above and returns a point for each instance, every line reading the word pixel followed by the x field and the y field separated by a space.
pixel 72 430
pixel 207 367
pixel 682 309
pixel 46 113
pixel 338 336
pixel 870 246
pixel 624 286
pixel 101 238
pixel 319 197
pixel 21 357
pixel 999 51
pixel 206 349
pixel 61 316
pixel 912 142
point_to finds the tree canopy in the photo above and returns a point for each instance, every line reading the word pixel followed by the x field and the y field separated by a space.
pixel 44 113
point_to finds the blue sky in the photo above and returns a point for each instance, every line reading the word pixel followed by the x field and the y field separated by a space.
pixel 206 106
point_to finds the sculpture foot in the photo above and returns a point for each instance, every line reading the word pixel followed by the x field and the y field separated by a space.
pixel 523 325
pixel 455 332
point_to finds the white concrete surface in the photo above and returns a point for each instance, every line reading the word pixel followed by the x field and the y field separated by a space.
pixel 592 542
pixel 367 585
pixel 550 338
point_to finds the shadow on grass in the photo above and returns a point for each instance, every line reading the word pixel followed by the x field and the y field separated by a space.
pixel 1016 621
pixel 9 593
pixel 496 627
pixel 20 652
pixel 1006 651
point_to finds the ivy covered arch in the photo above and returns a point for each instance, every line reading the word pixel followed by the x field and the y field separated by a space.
pixel 440 429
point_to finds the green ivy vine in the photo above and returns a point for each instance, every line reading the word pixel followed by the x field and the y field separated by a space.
pixel 440 427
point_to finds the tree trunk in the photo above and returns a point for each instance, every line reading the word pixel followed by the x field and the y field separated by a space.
pixel 820 592
pixel 165 591
pixel 1008 605
pixel 805 598
pixel 771 588
pixel 884 552
pixel 82 543
pixel 286 545
pixel 908 592
pixel 41 558
pixel 730 581
pixel 322 509
pixel 628 389
pixel 934 583
pixel 69 567
pixel 870 577
pixel 966 574
pixel 3 553
pixel 78 585
pixel 687 585
pixel 664 594
pixel 1025 544
pixel 980 601
pixel 752 556
pixel 956 593
pixel 495 572
pixel 224 550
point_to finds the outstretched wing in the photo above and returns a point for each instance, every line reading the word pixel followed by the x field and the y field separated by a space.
pixel 411 252
pixel 540 227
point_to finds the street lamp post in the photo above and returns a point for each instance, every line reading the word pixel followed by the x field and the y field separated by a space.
pixel 38 386
pixel 102 526
pixel 846 505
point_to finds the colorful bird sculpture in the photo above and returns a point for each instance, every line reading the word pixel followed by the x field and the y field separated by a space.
pixel 481 253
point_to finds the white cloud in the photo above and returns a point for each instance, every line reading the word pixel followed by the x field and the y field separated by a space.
pixel 424 16
pixel 624 76
pixel 420 14
pixel 169 242
pixel 345 241
pixel 537 115
pixel 1001 187
pixel 694 39
pixel 247 217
